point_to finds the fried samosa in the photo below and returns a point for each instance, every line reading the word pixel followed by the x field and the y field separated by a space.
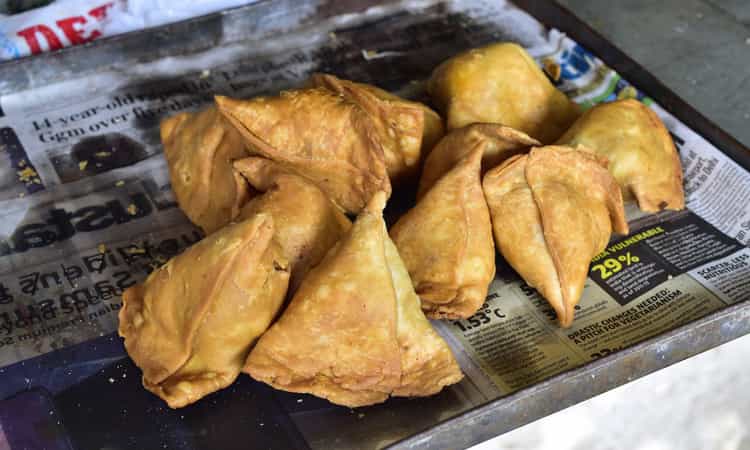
pixel 501 83
pixel 354 333
pixel 199 148
pixel 641 154
pixel 318 135
pixel 446 242
pixel 498 143
pixel 190 325
pixel 552 212
pixel 406 129
pixel 306 223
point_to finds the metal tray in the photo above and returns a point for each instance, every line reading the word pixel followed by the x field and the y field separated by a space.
pixel 88 411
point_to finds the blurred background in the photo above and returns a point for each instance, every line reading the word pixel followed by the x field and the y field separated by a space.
pixel 698 48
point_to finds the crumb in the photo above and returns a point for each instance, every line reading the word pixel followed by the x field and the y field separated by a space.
pixel 552 69
pixel 627 92
pixel 205 73
pixel 747 41
pixel 299 400
pixel 22 163
pixel 132 210
pixel 22 195
pixel 261 424
pixel 119 183
pixel 102 154
pixel 360 415
pixel 28 176
pixel 124 375
pixel 111 380
pixel 82 165
pixel 102 248
pixel 135 251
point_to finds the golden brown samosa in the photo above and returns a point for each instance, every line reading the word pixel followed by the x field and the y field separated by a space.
pixel 446 242
pixel 199 148
pixel 405 129
pixel 354 333
pixel 306 223
pixel 316 134
pixel 552 211
pixel 501 83
pixel 190 325
pixel 641 154
pixel 497 142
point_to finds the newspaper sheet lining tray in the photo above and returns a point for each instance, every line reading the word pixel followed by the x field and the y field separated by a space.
pixel 88 209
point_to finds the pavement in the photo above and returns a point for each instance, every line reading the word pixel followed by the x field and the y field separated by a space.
pixel 701 50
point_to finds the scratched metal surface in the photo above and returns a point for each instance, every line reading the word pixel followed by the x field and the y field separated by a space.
pixel 422 429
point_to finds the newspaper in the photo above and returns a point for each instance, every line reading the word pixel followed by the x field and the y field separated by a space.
pixel 75 22
pixel 88 210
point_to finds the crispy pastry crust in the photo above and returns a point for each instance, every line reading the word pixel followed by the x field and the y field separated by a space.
pixel 306 223
pixel 199 148
pixel 190 325
pixel 498 144
pixel 642 156
pixel 354 333
pixel 500 83
pixel 406 129
pixel 552 211
pixel 318 135
pixel 446 242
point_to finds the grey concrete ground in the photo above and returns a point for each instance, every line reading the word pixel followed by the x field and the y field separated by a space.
pixel 700 49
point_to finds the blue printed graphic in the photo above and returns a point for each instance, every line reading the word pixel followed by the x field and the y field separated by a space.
pixel 575 63
pixel 8 49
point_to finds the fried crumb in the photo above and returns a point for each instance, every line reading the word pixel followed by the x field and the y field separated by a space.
pixel 135 251
pixel 82 165
pixel 28 176
pixel 119 183
pixel 102 154
pixel 552 68
pixel 627 92
pixel 132 210
pixel 22 163
pixel 102 248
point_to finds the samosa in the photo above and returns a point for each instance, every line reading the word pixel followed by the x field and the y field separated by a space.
pixel 501 83
pixel 552 211
pixel 498 143
pixel 354 333
pixel 316 134
pixel 406 130
pixel 306 223
pixel 191 324
pixel 446 242
pixel 199 148
pixel 642 156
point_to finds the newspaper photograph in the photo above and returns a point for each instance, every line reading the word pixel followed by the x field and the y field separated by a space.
pixel 88 210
